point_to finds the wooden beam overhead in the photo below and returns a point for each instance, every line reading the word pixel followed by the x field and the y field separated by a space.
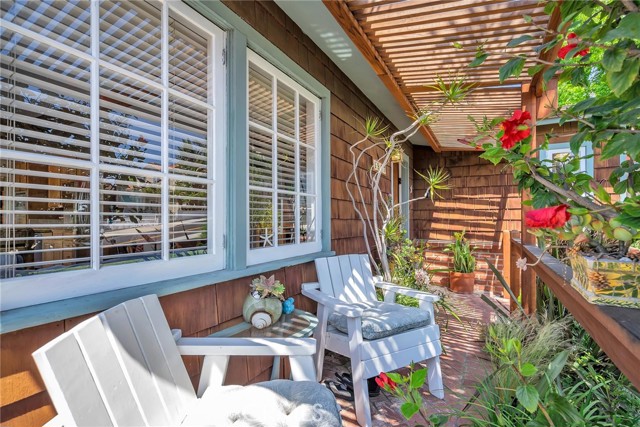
pixel 345 18
pixel 410 43
pixel 496 12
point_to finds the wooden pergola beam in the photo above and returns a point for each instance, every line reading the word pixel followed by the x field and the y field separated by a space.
pixel 350 25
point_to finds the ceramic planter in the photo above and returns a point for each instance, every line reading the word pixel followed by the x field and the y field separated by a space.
pixel 261 312
pixel 461 283
pixel 607 282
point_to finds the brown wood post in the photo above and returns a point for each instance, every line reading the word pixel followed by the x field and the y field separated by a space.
pixel 506 260
pixel 528 285
pixel 514 275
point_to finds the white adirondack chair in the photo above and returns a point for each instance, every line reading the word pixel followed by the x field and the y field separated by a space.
pixel 347 279
pixel 123 368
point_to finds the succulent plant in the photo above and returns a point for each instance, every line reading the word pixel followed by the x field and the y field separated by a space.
pixel 268 287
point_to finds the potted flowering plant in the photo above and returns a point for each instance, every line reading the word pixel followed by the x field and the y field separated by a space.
pixel 462 278
pixel 263 306
pixel 598 44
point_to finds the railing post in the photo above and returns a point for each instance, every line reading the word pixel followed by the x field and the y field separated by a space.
pixel 528 285
pixel 506 259
pixel 514 272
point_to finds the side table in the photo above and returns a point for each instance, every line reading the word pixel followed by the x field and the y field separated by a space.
pixel 299 324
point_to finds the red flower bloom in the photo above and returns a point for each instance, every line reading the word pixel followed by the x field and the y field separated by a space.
pixel 515 129
pixel 571 44
pixel 551 217
pixel 385 382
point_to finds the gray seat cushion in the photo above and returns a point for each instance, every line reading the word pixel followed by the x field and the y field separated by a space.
pixel 382 319
pixel 279 403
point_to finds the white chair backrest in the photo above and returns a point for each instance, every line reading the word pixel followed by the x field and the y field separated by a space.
pixel 121 367
pixel 346 277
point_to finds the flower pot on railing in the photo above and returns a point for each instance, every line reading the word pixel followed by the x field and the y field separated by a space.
pixel 607 281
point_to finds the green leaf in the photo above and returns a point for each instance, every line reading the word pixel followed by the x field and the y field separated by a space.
pixel 603 195
pixel 620 81
pixel 622 143
pixel 556 365
pixel 578 211
pixel 494 154
pixel 528 370
pixel 629 220
pixel 457 45
pixel 532 71
pixel 409 409
pixel 417 378
pixel 528 397
pixel 613 58
pixel 480 58
pixel 396 378
pixel 628 28
pixel 551 71
pixel 519 40
pixel 513 67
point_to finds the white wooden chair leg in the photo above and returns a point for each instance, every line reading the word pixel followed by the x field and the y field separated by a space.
pixel 320 335
pixel 302 368
pixel 360 386
pixel 434 377
pixel 213 372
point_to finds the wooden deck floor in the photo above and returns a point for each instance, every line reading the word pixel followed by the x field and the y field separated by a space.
pixel 462 365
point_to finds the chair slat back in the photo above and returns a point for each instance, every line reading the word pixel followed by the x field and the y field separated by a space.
pixel 131 371
pixel 346 277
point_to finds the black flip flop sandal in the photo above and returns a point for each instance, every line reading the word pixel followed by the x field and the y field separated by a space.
pixel 345 379
pixel 339 390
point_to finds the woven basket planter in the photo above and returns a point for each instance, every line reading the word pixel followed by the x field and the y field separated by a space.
pixel 607 282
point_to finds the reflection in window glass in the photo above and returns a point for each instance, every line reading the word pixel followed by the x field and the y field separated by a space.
pixel 45 114
pixel 282 163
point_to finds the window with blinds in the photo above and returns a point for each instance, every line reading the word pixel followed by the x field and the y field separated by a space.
pixel 283 165
pixel 108 138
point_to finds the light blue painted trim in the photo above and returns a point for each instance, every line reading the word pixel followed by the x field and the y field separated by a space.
pixel 237 233
pixel 35 315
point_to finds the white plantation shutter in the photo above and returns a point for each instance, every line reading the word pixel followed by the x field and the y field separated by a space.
pixel 283 165
pixel 132 183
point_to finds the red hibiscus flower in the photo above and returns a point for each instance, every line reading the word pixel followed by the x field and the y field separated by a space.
pixel 551 217
pixel 385 382
pixel 572 40
pixel 515 129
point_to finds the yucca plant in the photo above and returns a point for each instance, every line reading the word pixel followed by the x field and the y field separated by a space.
pixel 463 259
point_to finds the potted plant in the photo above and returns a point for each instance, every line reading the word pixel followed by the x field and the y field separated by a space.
pixel 462 278
pixel 263 306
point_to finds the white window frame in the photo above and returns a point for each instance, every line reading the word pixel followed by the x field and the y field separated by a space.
pixel 273 253
pixel 40 288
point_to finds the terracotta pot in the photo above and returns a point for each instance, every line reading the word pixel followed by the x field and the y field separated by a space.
pixel 461 283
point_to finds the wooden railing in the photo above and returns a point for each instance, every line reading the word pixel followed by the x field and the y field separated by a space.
pixel 615 329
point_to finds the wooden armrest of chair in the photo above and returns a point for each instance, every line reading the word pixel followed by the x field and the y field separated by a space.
pixel 333 304
pixel 246 346
pixel 402 290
